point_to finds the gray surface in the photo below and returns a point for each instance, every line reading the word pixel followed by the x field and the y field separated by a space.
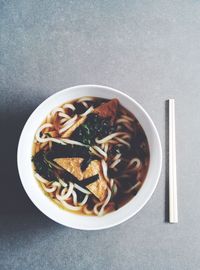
pixel 148 49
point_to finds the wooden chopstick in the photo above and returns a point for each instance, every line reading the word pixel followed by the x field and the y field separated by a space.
pixel 173 209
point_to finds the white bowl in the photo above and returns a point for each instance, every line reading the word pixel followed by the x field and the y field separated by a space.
pixel 50 209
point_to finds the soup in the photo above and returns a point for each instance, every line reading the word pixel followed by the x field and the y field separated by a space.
pixel 90 156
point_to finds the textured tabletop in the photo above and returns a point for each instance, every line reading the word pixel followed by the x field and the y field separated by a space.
pixel 151 51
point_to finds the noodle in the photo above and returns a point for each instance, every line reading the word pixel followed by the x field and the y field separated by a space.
pixel 83 190
pixel 74 196
pixel 69 106
pixel 115 163
pixel 114 189
pixel 43 140
pixel 69 192
pixel 134 187
pixel 86 211
pixel 50 189
pixel 85 99
pixel 105 169
pixel 95 209
pixel 94 152
pixel 121 120
pixel 123 141
pixel 91 109
pixel 129 127
pixel 62 183
pixel 61 114
pixel 63 120
pixel 70 207
pixel 58 197
pixel 63 192
pixel 109 137
pixel 84 200
pixel 41 179
pixel 85 104
pixel 117 156
pixel 98 149
pixel 68 141
pixel 126 136
pixel 56 110
pixel 135 160
pixel 106 148
pixel 68 124
pixel 111 183
pixel 105 203
pixel 128 118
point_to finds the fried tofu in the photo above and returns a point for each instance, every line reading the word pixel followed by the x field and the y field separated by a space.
pixel 73 165
pixel 99 187
pixel 69 132
pixel 108 109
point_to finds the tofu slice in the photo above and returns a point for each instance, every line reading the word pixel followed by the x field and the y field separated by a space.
pixel 108 109
pixel 99 187
pixel 69 132
pixel 73 165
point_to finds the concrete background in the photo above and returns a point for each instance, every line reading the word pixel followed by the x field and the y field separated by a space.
pixel 148 49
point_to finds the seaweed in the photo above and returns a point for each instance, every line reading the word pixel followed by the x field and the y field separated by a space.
pixel 43 167
pixel 94 127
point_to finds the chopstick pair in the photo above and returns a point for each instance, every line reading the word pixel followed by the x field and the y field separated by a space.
pixel 173 206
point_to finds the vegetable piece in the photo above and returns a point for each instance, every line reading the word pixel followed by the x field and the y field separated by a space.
pixel 93 127
pixel 86 162
pixel 61 151
pixel 90 180
pixel 42 167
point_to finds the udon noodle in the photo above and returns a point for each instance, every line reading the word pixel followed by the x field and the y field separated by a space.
pixel 90 156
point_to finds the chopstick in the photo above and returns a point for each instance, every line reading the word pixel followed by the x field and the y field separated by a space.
pixel 173 209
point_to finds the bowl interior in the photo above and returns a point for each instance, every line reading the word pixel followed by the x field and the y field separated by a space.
pixel 44 203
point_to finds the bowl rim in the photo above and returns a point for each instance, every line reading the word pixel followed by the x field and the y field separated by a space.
pixel 156 135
